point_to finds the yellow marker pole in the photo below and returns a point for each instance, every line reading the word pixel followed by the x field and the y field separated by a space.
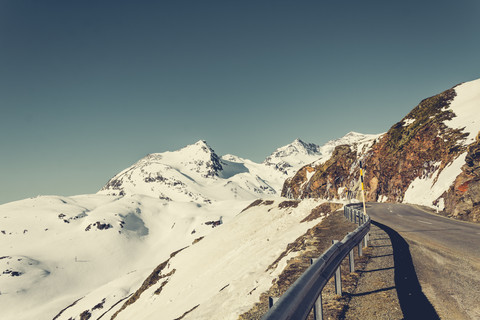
pixel 363 189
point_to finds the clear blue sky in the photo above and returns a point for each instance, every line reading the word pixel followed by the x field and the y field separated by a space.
pixel 89 87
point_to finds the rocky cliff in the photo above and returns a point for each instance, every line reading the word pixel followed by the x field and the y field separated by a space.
pixel 462 200
pixel 429 158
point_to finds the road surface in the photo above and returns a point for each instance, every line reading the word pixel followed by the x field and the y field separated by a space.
pixel 445 253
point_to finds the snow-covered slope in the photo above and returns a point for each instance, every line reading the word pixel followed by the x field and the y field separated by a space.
pixel 82 257
pixel 224 274
pixel 96 248
pixel 466 107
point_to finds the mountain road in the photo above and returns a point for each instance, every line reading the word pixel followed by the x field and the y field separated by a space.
pixel 445 254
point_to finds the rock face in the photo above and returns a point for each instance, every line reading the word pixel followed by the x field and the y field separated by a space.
pixel 331 176
pixel 417 146
pixel 323 180
pixel 428 158
pixel 462 200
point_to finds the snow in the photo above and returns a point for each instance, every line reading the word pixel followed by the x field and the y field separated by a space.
pixel 426 190
pixel 466 106
pixel 382 198
pixel 408 122
pixel 45 240
pixel 310 174
pixel 234 258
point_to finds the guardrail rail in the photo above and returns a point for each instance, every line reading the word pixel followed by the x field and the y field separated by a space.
pixel 305 293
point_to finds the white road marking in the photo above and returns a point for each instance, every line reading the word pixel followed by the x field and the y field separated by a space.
pixel 424 222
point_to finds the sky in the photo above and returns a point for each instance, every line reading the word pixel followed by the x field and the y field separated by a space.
pixel 87 88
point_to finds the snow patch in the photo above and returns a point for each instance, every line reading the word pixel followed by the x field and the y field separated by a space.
pixel 466 106
pixel 408 122
pixel 310 174
pixel 425 190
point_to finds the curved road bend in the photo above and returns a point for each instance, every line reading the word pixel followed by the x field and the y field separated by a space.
pixel 445 253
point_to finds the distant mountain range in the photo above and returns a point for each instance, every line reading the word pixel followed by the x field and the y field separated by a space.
pixel 196 173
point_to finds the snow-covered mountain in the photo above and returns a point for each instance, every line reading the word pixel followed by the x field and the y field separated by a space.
pixel 82 257
pixel 196 173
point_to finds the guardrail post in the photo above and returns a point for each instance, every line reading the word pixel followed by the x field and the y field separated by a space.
pixel 338 278
pixel 271 301
pixel 317 307
pixel 360 244
pixel 351 259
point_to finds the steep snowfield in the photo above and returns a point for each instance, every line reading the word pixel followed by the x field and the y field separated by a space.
pixel 87 254
pixel 466 107
pixel 428 189
pixel 224 274
pixel 56 250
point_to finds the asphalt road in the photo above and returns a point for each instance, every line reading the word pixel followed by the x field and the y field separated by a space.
pixel 445 254
pixel 461 238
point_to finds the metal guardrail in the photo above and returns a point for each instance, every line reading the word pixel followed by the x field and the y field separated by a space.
pixel 306 293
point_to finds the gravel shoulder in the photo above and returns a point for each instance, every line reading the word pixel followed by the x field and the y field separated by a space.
pixel 375 296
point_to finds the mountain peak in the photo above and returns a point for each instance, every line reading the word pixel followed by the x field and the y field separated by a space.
pixel 293 155
pixel 294 148
pixel 199 145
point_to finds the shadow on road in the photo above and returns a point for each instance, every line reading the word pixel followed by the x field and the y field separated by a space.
pixel 413 302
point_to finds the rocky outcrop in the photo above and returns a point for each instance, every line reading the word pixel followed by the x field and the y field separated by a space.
pixel 323 180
